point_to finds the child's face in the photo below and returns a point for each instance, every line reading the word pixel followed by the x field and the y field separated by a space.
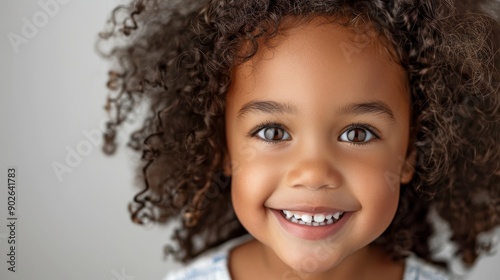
pixel 316 126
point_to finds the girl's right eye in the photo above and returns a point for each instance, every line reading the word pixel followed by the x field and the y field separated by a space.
pixel 273 134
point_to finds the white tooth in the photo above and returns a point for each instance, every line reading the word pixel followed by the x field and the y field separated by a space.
pixel 319 218
pixel 294 220
pixel 306 218
pixel 336 215
pixel 297 216
pixel 302 222
pixel 329 222
pixel 288 214
pixel 322 224
pixel 315 224
pixel 329 216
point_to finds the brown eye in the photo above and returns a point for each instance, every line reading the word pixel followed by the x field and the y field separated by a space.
pixel 357 135
pixel 273 134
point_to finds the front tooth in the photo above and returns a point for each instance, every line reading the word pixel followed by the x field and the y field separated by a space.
pixel 296 216
pixel 319 218
pixel 336 215
pixel 306 218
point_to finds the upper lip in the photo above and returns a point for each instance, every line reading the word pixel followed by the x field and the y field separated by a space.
pixel 311 209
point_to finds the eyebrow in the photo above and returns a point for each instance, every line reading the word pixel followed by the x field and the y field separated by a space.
pixel 270 107
pixel 375 107
pixel 277 108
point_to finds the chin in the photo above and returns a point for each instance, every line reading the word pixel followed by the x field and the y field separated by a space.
pixel 313 263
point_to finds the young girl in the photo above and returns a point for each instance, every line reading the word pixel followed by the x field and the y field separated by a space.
pixel 315 139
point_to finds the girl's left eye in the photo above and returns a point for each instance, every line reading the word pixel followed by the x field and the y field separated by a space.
pixel 357 135
pixel 273 134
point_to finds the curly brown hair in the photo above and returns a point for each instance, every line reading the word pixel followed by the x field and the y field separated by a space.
pixel 178 56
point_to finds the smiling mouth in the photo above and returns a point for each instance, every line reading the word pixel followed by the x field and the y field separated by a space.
pixel 313 220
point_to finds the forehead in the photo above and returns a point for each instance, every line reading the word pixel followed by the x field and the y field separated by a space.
pixel 320 52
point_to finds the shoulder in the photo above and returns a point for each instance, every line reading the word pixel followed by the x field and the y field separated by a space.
pixel 212 265
pixel 417 269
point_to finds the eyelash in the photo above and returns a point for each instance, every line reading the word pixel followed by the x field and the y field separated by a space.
pixel 269 124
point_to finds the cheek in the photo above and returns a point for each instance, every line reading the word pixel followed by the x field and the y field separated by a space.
pixel 252 183
pixel 253 173
pixel 375 184
pixel 380 199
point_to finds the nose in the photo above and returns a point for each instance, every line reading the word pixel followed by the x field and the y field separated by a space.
pixel 314 170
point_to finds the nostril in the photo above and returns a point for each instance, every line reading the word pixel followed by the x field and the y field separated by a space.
pixel 312 188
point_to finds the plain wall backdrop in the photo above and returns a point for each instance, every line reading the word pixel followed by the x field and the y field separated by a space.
pixel 75 225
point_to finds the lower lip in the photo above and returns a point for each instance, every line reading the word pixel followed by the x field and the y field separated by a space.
pixel 311 232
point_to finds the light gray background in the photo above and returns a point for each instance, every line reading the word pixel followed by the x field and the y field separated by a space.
pixel 52 91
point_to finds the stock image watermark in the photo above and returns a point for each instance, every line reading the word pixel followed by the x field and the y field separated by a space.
pixel 122 275
pixel 11 220
pixel 75 155
pixel 322 251
pixel 32 25
pixel 364 35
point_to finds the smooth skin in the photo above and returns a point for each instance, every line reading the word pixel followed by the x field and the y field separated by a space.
pixel 311 123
